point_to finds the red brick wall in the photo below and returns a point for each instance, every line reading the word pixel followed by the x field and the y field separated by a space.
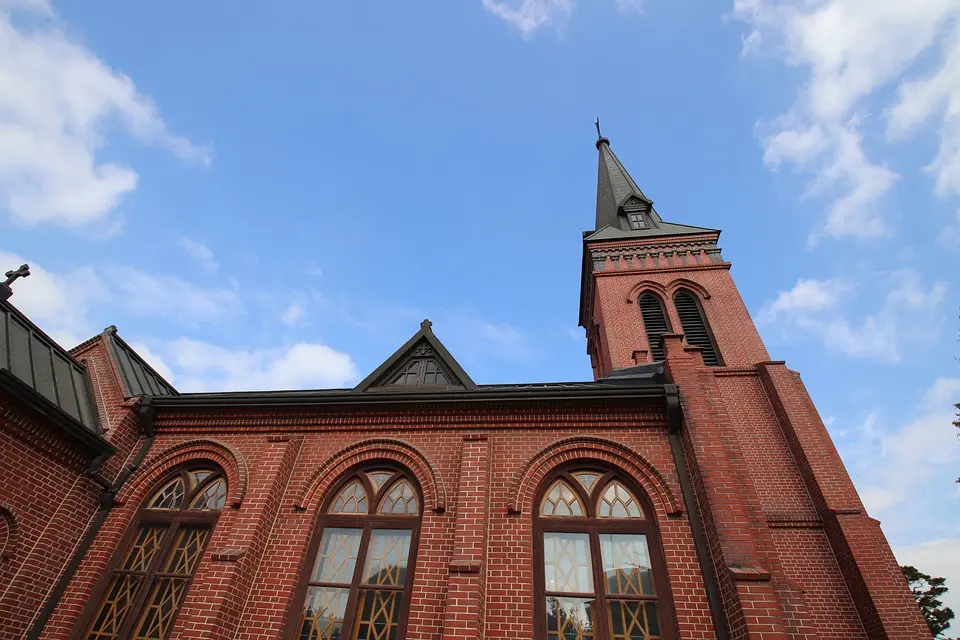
pixel 45 494
pixel 474 567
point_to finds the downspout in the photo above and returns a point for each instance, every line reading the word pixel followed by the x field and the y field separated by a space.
pixel 107 501
pixel 674 423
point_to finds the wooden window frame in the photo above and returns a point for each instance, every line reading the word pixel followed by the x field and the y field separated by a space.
pixel 367 523
pixel 145 516
pixel 595 526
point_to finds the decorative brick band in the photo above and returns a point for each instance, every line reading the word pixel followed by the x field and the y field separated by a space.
pixel 589 448
pixel 12 539
pixel 156 466
pixel 316 486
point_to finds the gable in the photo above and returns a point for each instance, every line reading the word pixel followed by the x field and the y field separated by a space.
pixel 422 363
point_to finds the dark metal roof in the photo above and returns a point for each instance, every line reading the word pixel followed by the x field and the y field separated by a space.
pixel 33 358
pixel 138 377
pixel 615 188
pixel 648 384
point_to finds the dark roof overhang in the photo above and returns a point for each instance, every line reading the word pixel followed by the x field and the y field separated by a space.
pixel 647 386
pixel 50 415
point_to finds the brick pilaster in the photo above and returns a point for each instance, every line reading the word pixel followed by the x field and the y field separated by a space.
pixel 464 612
pixel 215 601
pixel 886 607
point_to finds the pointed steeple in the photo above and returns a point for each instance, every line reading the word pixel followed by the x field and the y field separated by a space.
pixel 622 208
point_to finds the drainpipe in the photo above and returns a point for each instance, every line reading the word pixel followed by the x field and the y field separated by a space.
pixel 674 423
pixel 107 501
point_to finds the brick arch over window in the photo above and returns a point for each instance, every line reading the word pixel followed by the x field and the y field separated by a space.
pixel 318 484
pixel 647 285
pixel 525 482
pixel 156 466
pixel 9 532
pixel 689 285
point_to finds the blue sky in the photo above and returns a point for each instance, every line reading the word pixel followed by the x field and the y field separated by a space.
pixel 272 196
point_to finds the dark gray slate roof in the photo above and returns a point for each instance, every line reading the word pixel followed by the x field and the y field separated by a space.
pixel 138 377
pixel 615 188
pixel 33 358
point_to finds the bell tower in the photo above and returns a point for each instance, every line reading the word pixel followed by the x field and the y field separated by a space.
pixel 644 277
pixel 787 548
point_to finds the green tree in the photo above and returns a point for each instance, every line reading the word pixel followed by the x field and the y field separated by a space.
pixel 927 591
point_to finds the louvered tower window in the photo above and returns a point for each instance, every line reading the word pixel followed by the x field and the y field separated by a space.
pixel 654 322
pixel 695 326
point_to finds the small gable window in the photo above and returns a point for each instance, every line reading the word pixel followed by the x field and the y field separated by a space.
pixel 695 327
pixel 636 220
pixel 654 322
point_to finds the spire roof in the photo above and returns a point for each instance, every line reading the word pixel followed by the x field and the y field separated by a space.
pixel 623 210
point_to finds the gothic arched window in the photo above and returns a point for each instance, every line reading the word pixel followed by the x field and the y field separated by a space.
pixel 361 568
pixel 599 566
pixel 695 327
pixel 654 322
pixel 158 557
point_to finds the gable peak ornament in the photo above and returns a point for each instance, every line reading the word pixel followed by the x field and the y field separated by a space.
pixel 22 272
pixel 426 325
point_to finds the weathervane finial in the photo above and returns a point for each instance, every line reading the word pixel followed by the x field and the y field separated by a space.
pixel 596 123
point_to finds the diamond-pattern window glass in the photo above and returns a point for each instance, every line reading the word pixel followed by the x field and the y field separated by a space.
pixel 566 562
pixel 570 618
pixel 114 607
pixel 143 549
pixel 561 501
pixel 170 496
pixel 337 557
pixel 617 501
pixel 387 557
pixel 212 498
pixel 351 499
pixel 587 479
pixel 378 615
pixel 400 499
pixel 186 551
pixel 377 478
pixel 626 564
pixel 323 613
pixel 160 610
pixel 633 620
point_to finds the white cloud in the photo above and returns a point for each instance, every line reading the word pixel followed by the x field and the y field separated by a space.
pixel 58 303
pixel 201 366
pixel 806 295
pixel 58 100
pixel 154 360
pixel 851 49
pixel 949 236
pixel 292 314
pixel 940 559
pixel 530 15
pixel 159 296
pixel 201 253
pixel 907 316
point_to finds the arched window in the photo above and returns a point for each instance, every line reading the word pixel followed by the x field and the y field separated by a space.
pixel 654 322
pixel 599 567
pixel 149 577
pixel 362 560
pixel 695 326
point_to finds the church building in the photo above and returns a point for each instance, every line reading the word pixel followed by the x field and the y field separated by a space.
pixel 690 491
